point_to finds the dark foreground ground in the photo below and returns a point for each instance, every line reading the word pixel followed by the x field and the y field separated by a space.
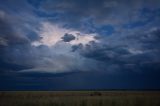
pixel 80 98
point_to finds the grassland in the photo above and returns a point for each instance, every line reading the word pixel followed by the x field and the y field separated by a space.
pixel 80 98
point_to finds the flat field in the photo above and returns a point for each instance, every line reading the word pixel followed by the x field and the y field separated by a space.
pixel 80 98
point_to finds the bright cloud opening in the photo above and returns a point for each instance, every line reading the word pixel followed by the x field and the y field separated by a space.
pixel 51 34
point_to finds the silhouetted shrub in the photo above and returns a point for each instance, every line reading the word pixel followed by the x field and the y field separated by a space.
pixel 96 94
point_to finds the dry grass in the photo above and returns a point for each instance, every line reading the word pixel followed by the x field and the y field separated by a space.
pixel 79 98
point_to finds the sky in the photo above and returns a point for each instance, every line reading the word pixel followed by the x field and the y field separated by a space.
pixel 79 44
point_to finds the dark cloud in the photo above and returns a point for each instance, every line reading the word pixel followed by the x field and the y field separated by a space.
pixel 112 12
pixel 118 53
pixel 16 35
pixel 146 51
pixel 104 17
pixel 68 37
pixel 126 49
pixel 76 47
pixel 7 33
pixel 15 30
pixel 9 41
pixel 3 42
pixel 151 39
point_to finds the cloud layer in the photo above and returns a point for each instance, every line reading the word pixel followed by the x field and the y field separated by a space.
pixel 87 39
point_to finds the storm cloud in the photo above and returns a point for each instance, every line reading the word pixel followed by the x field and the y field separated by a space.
pixel 68 37
pixel 72 43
